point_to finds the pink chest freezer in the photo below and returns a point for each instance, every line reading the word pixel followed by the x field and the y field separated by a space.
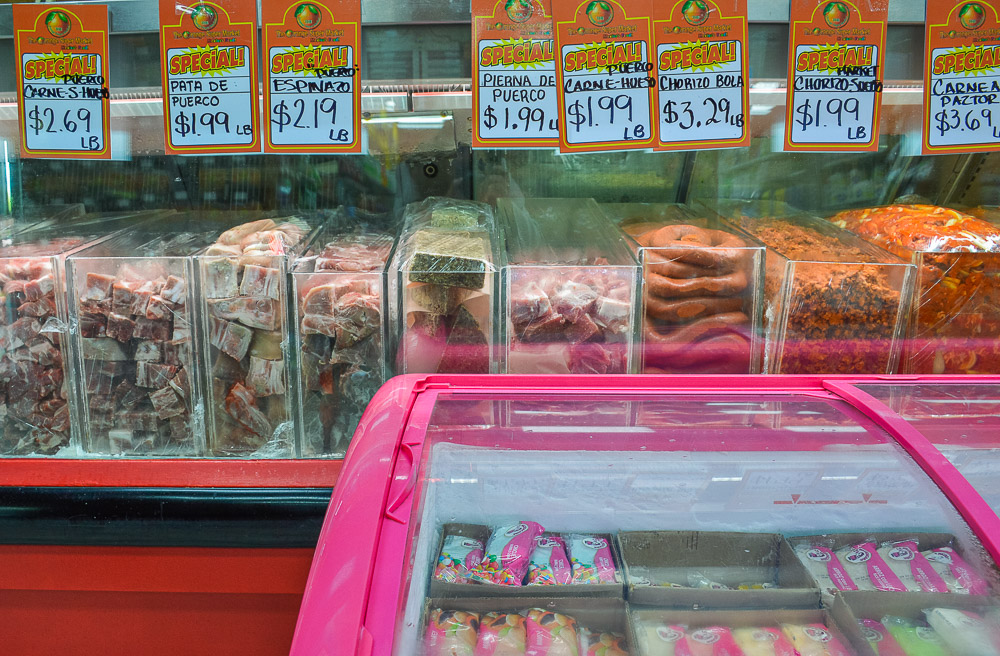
pixel 662 515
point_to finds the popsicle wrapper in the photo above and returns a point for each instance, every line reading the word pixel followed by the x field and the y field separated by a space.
pixel 501 634
pixel 591 560
pixel 835 571
pixel 459 556
pixel 763 641
pixel 880 639
pixel 964 632
pixel 507 554
pixel 965 578
pixel 814 640
pixel 451 633
pixel 551 634
pixel 914 638
pixel 879 573
pixel 709 641
pixel 924 577
pixel 593 643
pixel 549 564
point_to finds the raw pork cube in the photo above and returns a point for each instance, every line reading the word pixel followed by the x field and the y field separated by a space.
pixel 93 325
pixel 149 351
pixel 97 287
pixel 230 338
pixel 573 300
pixel 140 301
pixel 266 377
pixel 177 351
pixel 102 348
pixel 358 317
pixel 546 329
pixel 159 331
pixel 36 289
pixel 261 281
pixel 221 278
pixel 127 396
pixel 173 290
pixel 241 405
pixel 166 403
pixel 158 308
pixel 122 297
pixel 151 374
pixel 120 327
pixel 530 303
pixel 320 300
pixel 583 330
pixel 253 312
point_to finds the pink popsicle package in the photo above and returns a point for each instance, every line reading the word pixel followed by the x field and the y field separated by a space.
pixel 591 559
pixel 501 634
pixel 867 568
pixel 763 641
pixel 459 556
pixel 451 633
pixel 593 643
pixel 549 564
pixel 507 554
pixel 912 568
pixel 709 641
pixel 825 567
pixel 880 639
pixel 551 634
pixel 957 574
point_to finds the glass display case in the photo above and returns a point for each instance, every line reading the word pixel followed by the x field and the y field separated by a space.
pixel 702 289
pixel 648 534
pixel 569 289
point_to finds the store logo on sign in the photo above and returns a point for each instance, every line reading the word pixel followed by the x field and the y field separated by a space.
pixel 972 16
pixel 836 14
pixel 204 17
pixel 308 16
pixel 58 24
pixel 519 10
pixel 695 12
pixel 600 13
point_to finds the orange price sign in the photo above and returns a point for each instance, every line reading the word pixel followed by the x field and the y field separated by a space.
pixel 962 77
pixel 835 53
pixel 64 106
pixel 513 62
pixel 700 49
pixel 312 94
pixel 605 74
pixel 209 60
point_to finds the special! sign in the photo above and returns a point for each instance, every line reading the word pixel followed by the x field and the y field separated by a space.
pixel 312 98
pixel 962 77
pixel 605 75
pixel 209 59
pixel 64 104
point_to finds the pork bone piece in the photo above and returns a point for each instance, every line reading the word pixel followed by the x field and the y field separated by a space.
pixel 452 259
pixel 120 327
pixel 174 290
pixel 151 374
pixel 159 331
pixel 251 311
pixel 261 281
pixel 167 403
pixel 266 377
pixel 241 405
pixel 221 277
pixel 234 236
pixel 230 338
pixel 102 348
pixel 97 286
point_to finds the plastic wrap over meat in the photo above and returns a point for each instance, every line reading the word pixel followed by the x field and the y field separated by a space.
pixel 834 303
pixel 444 283
pixel 339 298
pixel 243 292
pixel 570 319
pixel 956 317
pixel 136 354
pixel 34 396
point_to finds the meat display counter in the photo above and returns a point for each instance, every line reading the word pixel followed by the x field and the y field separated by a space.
pixel 646 516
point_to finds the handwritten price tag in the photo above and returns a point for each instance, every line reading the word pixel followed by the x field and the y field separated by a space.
pixel 836 51
pixel 62 87
pixel 514 64
pixel 605 75
pixel 209 77
pixel 962 78
pixel 312 98
pixel 701 64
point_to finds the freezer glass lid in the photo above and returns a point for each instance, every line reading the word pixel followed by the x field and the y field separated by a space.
pixel 617 522
pixel 962 420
